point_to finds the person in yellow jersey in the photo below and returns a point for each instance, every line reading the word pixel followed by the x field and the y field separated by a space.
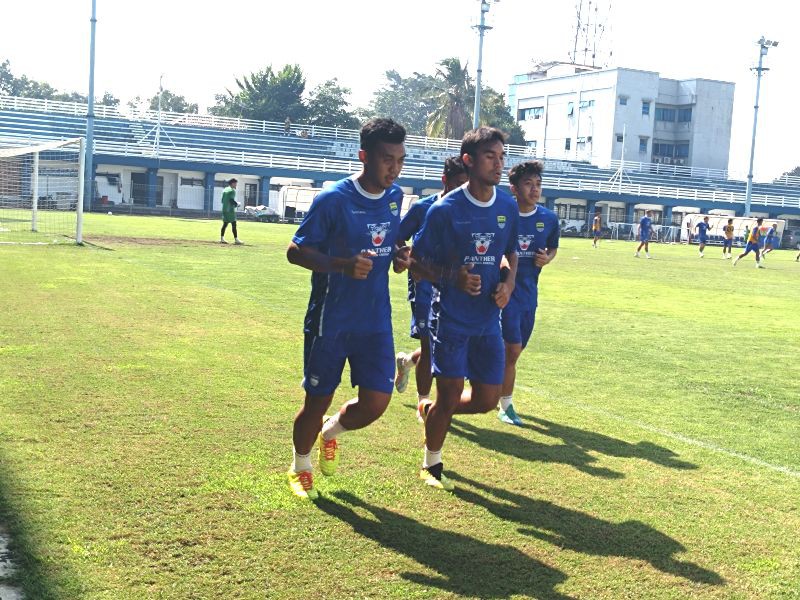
pixel 752 244
pixel 596 223
pixel 727 241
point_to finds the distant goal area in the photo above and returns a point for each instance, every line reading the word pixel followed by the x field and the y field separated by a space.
pixel 41 191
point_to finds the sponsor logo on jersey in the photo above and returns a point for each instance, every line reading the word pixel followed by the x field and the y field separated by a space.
pixel 524 241
pixel 377 232
pixel 482 242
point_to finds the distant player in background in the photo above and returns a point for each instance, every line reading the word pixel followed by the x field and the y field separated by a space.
pixel 702 234
pixel 645 231
pixel 727 241
pixel 460 247
pixel 421 292
pixel 769 242
pixel 753 240
pixel 347 239
pixel 596 228
pixel 229 205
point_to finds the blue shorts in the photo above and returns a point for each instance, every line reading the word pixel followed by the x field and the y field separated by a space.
pixel 371 358
pixel 726 243
pixel 481 358
pixel 751 247
pixel 769 242
pixel 517 324
pixel 644 237
pixel 702 239
pixel 424 313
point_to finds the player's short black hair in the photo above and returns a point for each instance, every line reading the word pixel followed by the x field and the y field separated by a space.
pixel 472 140
pixel 525 169
pixel 232 180
pixel 379 130
pixel 730 220
pixel 760 220
pixel 453 166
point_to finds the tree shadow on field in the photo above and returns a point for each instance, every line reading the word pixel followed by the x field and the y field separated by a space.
pixel 464 565
pixel 29 573
pixel 511 444
pixel 590 440
pixel 580 532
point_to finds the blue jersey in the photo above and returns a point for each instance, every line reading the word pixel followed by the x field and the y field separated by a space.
pixel 645 225
pixel 460 230
pixel 771 235
pixel 703 227
pixel 538 230
pixel 409 228
pixel 343 221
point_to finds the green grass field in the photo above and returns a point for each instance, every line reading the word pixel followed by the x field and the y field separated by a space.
pixel 148 383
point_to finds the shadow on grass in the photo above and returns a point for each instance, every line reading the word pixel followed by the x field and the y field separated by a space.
pixel 590 440
pixel 580 532
pixel 464 565
pixel 31 575
pixel 512 444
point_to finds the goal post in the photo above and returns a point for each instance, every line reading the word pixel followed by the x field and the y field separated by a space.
pixel 41 191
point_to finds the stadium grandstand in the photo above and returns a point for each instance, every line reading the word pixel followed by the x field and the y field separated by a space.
pixel 176 163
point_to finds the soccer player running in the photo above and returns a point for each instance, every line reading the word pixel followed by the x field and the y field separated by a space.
pixel 769 242
pixel 229 205
pixel 460 246
pixel 596 224
pixel 645 231
pixel 753 244
pixel 727 242
pixel 702 234
pixel 421 292
pixel 347 240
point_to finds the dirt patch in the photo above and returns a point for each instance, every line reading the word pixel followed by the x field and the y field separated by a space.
pixel 110 240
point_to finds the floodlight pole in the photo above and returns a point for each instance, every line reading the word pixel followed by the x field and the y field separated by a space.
pixel 88 179
pixel 483 27
pixel 764 46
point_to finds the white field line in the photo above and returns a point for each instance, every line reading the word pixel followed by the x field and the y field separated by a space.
pixel 664 432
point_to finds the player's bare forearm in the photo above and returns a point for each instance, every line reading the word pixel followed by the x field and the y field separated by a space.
pixel 513 260
pixel 314 260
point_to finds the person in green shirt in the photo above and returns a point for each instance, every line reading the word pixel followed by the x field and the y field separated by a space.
pixel 229 205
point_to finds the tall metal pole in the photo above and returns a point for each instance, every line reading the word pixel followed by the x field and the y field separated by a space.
pixel 88 179
pixel 763 46
pixel 476 118
pixel 158 124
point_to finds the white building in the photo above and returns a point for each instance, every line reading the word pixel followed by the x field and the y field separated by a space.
pixel 584 113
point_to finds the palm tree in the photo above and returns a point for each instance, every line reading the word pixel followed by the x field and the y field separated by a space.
pixel 452 93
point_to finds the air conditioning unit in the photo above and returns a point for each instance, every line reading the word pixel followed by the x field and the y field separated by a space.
pixel 657 160
pixel 679 161
pixel 667 160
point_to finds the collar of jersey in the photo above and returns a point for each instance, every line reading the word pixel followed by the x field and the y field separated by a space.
pixel 530 214
pixel 365 193
pixel 477 202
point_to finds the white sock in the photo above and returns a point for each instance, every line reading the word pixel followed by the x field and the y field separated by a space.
pixel 505 402
pixel 431 458
pixel 423 398
pixel 301 462
pixel 332 428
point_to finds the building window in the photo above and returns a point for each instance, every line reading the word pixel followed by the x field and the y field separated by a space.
pixel 616 214
pixel 640 212
pixel 620 138
pixel 586 104
pixel 562 210
pixel 589 139
pixel 685 115
pixel 577 212
pixel 663 149
pixel 192 182
pixel 646 107
pixel 529 114
pixel 567 143
pixel 682 150
pixel 570 109
pixel 623 101
pixel 643 145
pixel 665 114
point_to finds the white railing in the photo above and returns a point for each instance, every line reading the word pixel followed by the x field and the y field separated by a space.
pixel 663 169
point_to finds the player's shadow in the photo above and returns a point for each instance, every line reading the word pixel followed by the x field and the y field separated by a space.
pixel 511 444
pixel 592 441
pixel 580 532
pixel 464 566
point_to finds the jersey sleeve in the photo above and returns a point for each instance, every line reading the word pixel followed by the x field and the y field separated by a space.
pixel 513 232
pixel 411 222
pixel 555 235
pixel 433 238
pixel 317 224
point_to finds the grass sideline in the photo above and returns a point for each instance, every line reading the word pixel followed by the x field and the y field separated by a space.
pixel 148 382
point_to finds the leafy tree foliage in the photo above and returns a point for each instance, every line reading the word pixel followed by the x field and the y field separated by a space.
pixel 173 102
pixel 266 95
pixel 328 106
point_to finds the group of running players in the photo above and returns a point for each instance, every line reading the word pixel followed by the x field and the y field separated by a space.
pixel 473 271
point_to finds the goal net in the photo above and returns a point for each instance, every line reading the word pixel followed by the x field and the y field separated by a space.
pixel 41 191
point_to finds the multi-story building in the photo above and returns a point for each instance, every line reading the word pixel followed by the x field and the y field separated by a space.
pixel 589 114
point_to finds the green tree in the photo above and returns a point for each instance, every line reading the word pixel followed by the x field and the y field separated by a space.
pixel 495 113
pixel 452 96
pixel 328 106
pixel 173 102
pixel 266 95
pixel 405 99
pixel 29 88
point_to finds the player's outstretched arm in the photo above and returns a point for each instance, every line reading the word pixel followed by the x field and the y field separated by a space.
pixel 357 267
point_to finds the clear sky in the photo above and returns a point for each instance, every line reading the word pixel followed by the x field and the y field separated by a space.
pixel 200 50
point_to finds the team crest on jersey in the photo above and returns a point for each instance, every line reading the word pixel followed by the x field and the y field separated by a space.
pixel 394 209
pixel 524 242
pixel 501 221
pixel 482 242
pixel 539 226
pixel 377 232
